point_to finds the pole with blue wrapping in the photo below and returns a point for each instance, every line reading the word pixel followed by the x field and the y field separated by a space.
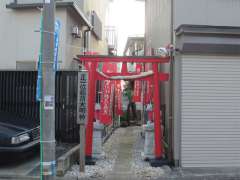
pixel 48 92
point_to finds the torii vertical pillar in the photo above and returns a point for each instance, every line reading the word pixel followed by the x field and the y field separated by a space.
pixel 91 109
pixel 157 115
pixel 158 136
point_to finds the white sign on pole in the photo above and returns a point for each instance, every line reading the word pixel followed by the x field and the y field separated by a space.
pixel 82 100
pixel 49 102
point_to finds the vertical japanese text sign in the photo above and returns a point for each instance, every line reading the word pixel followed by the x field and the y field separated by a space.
pixel 82 97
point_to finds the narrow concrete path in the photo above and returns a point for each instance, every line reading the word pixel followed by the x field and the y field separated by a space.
pixel 122 169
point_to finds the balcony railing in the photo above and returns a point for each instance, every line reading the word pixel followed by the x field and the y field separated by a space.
pixel 111 36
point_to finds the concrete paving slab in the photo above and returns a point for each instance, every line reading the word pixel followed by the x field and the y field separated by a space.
pixel 122 167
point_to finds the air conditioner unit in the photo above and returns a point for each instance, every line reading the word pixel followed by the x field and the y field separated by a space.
pixel 76 33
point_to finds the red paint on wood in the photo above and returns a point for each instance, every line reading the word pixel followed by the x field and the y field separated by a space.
pixel 91 107
pixel 157 116
pixel 124 59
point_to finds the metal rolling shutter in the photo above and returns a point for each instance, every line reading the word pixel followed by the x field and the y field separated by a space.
pixel 210 111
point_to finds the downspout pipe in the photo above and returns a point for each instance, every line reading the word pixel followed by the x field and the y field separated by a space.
pixel 171 99
pixel 87 35
pixel 85 40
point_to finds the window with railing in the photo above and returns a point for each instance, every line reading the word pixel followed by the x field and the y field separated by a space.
pixel 111 36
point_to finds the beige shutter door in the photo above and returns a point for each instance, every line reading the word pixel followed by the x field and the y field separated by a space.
pixel 210 111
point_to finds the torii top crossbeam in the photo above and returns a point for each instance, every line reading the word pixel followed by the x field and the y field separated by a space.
pixel 123 59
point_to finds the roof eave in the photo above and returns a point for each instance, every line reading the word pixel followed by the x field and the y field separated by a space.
pixel 16 6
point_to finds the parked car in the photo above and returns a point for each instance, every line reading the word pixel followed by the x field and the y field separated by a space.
pixel 18 134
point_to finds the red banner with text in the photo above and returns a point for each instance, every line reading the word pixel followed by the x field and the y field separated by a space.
pixel 118 100
pixel 105 112
pixel 109 67
pixel 149 85
pixel 137 86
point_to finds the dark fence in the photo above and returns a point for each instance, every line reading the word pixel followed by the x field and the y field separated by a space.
pixel 67 129
pixel 18 95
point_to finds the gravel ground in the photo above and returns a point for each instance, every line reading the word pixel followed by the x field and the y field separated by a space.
pixel 103 165
pixel 141 168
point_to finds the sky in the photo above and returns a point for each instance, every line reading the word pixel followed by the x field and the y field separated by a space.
pixel 128 17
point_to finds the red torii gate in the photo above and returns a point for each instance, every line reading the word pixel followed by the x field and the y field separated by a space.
pixel 94 75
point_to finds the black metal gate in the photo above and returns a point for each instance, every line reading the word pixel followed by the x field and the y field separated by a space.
pixel 18 95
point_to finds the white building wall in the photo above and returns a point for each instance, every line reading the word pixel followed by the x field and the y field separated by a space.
pixel 194 12
pixel 158 22
pixel 18 39
pixel 100 7
pixel 73 46
pixel 207 12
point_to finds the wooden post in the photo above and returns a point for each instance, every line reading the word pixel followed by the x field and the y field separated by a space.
pixel 82 114
pixel 82 147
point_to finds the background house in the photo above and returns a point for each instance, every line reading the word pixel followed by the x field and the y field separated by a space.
pixel 19 41
pixel 112 39
pixel 201 98
pixel 134 46
pixel 99 11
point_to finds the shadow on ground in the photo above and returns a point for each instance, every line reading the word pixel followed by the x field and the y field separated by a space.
pixel 13 159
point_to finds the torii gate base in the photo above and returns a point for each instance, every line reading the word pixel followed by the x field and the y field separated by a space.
pixel 156 76
pixel 158 162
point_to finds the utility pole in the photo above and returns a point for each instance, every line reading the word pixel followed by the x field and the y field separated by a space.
pixel 48 164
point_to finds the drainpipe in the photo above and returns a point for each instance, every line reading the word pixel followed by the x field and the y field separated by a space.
pixel 86 40
pixel 172 21
pixel 171 99
pixel 87 36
